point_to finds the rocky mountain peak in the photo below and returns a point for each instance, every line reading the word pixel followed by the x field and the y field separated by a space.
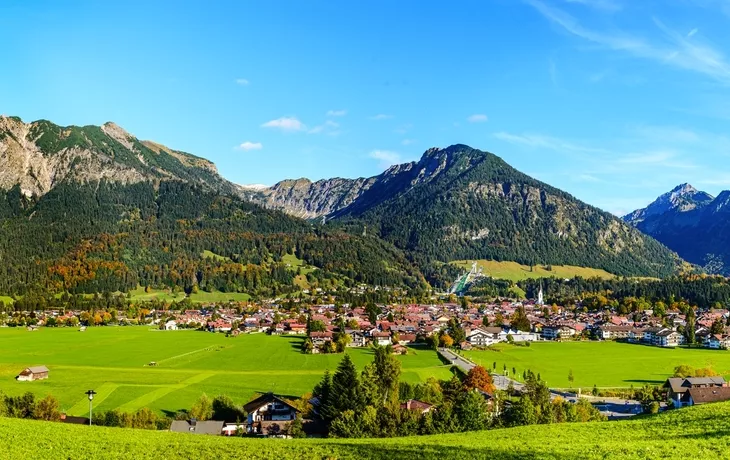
pixel 681 198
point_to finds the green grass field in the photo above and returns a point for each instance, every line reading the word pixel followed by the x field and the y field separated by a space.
pixel 605 364
pixel 516 272
pixel 701 432
pixel 112 361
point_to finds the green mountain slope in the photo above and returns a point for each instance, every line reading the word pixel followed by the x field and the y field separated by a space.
pixel 460 203
pixel 697 432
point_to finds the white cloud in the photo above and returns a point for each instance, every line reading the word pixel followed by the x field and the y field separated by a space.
pixel 328 127
pixel 248 145
pixel 242 81
pixel 386 158
pixel 337 113
pixel 381 116
pixel 287 124
pixel 477 118
pixel 408 141
pixel 674 50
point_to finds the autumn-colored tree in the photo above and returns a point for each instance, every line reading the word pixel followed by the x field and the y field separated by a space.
pixel 479 378
pixel 446 341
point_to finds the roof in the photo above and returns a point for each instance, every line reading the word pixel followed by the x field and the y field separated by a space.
pixel 681 385
pixel 37 369
pixel 211 427
pixel 709 395
pixel 263 400
pixel 413 404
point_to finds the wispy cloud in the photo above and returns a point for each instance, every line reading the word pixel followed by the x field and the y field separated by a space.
pixel 286 124
pixel 381 116
pixel 403 128
pixel 477 118
pixel 674 49
pixel 386 158
pixel 337 113
pixel 242 81
pixel 547 142
pixel 328 127
pixel 248 145
pixel 408 141
pixel 606 5
pixel 692 32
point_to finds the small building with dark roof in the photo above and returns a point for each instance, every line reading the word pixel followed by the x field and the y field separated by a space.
pixel 269 414
pixel 699 396
pixel 192 426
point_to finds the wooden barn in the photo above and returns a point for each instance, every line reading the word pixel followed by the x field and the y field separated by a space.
pixel 33 373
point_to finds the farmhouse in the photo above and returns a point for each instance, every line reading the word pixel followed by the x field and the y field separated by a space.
pixel 418 406
pixel 678 388
pixel 699 396
pixel 209 427
pixel 269 414
pixel 32 373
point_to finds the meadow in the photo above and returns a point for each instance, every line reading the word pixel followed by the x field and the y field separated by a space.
pixel 113 361
pixel 517 272
pixel 700 432
pixel 604 364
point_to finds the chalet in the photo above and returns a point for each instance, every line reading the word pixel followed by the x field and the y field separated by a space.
pixel 192 426
pixel 320 338
pixel 678 388
pixel 296 329
pixel 381 339
pixel 30 374
pixel 270 415
pixel 558 331
pixel 718 342
pixel 614 332
pixel 650 333
pixel 171 325
pixel 668 338
pixel 417 406
pixel 405 339
pixel 357 338
pixel 484 337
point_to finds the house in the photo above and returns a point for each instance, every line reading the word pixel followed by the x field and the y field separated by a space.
pixel 30 374
pixel 484 337
pixel 358 338
pixel 557 332
pixel 192 426
pixel 699 396
pixel 320 338
pixel 269 414
pixel 418 406
pixel 399 349
pixel 381 339
pixel 678 388
pixel 171 325
pixel 718 342
pixel 405 339
pixel 614 332
pixel 668 338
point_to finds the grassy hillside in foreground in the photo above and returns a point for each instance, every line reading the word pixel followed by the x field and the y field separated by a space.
pixel 516 272
pixel 696 432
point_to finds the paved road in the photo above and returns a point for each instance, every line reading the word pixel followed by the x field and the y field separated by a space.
pixel 613 408
pixel 500 381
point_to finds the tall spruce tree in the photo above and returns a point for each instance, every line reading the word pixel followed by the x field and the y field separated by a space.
pixel 346 393
pixel 388 370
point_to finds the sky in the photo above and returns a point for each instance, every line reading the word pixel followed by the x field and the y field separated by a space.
pixel 613 101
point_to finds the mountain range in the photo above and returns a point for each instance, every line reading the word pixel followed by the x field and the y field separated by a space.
pixel 93 208
pixel 691 222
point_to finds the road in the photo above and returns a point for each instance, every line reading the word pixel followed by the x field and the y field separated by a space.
pixel 613 408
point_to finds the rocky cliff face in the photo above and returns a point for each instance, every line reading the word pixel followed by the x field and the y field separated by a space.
pixel 38 156
pixel 682 198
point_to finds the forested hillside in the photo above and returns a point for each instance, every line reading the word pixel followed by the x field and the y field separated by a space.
pixel 460 203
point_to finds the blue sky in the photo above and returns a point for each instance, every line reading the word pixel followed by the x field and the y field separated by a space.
pixel 614 101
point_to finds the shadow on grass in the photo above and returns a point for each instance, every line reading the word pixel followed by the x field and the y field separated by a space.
pixel 645 381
